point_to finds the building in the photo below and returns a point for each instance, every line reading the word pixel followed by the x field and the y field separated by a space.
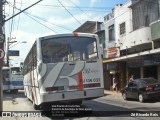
pixel 132 42
pixel 94 27
pixel 117 26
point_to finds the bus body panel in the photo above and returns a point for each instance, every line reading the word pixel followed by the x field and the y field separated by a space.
pixel 16 82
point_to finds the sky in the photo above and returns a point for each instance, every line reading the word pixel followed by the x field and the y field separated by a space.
pixel 49 17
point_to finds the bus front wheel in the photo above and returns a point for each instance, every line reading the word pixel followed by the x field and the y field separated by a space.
pixel 36 107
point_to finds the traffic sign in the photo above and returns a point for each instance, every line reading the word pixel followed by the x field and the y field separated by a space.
pixel 2 38
pixel 13 52
pixel 2 53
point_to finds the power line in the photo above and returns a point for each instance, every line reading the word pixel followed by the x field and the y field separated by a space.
pixel 69 12
pixel 40 18
pixel 18 19
pixel 80 9
pixel 48 22
pixel 23 10
pixel 13 12
pixel 35 19
pixel 39 22
pixel 84 7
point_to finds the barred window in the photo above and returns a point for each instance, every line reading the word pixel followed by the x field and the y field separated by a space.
pixel 122 28
pixel 111 33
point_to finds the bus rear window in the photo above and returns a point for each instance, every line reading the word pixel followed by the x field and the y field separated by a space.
pixel 64 49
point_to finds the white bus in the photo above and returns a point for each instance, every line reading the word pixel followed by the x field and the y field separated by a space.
pixel 16 78
pixel 64 68
pixel 6 78
pixel 12 79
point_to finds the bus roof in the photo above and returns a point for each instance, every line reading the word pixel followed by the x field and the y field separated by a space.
pixel 70 34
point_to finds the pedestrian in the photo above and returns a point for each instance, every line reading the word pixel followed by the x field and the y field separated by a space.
pixel 131 78
pixel 115 82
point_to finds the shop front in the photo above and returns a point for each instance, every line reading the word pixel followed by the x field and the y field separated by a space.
pixel 142 65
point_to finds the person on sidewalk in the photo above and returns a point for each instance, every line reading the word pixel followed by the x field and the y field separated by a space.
pixel 131 78
pixel 115 82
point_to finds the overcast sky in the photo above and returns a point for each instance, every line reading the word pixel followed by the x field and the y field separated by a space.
pixel 52 19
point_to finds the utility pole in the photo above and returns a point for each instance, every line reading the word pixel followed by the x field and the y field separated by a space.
pixel 2 39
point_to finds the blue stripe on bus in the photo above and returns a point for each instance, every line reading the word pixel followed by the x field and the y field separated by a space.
pixel 6 82
pixel 17 83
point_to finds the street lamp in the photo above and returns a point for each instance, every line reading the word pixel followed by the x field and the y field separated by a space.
pixel 17 43
pixel 8 47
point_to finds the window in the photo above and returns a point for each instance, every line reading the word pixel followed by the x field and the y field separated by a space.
pixel 30 62
pixel 111 33
pixel 122 28
pixel 15 70
pixel 63 49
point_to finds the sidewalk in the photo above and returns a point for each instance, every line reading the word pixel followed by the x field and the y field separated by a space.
pixel 113 94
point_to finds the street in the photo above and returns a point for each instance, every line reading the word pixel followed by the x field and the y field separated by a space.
pixel 111 106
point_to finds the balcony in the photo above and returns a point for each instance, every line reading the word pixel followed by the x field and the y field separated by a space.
pixel 140 36
pixel 155 28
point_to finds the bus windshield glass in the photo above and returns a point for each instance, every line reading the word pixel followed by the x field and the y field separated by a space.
pixel 70 48
pixel 15 70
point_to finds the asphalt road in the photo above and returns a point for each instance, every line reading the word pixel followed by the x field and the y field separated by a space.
pixel 110 107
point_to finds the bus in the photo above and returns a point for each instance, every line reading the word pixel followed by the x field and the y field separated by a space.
pixel 6 78
pixel 63 68
pixel 16 79
pixel 12 79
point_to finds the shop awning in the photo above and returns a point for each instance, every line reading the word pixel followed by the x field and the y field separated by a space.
pixel 125 58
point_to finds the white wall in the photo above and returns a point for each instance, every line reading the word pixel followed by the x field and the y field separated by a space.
pixel 123 14
pixel 108 43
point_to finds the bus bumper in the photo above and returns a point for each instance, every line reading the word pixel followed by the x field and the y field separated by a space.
pixel 72 95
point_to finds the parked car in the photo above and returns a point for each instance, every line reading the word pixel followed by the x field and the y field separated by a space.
pixel 142 89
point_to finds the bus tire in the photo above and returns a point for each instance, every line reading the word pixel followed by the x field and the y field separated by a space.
pixel 36 107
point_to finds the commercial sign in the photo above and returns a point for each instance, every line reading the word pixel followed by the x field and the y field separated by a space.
pixel 13 52
pixel 113 52
pixel 152 59
pixel 2 53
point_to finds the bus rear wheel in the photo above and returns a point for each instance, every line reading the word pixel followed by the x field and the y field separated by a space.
pixel 36 107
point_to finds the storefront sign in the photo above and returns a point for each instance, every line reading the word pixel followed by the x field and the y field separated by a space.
pixel 113 52
pixel 157 59
pixel 148 60
pixel 13 52
pixel 112 66
pixel 152 59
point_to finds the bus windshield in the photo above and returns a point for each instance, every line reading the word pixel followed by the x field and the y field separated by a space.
pixel 70 48
pixel 15 71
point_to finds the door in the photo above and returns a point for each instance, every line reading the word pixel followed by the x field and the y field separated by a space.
pixel 132 90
